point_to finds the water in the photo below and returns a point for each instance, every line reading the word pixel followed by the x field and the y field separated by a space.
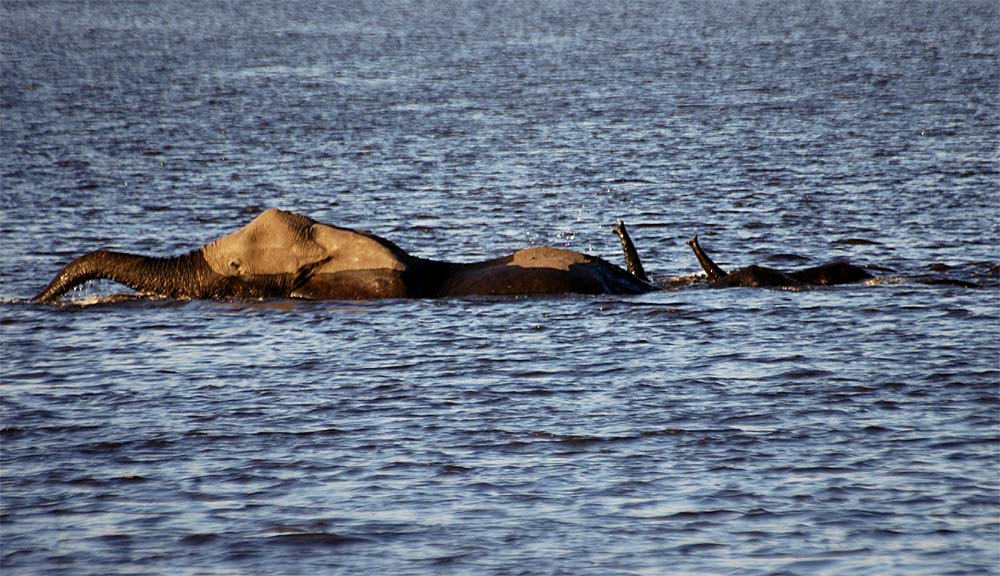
pixel 741 431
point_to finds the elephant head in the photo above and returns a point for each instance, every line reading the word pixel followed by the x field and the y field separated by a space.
pixel 275 255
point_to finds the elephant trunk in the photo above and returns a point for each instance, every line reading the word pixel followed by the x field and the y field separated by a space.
pixel 187 276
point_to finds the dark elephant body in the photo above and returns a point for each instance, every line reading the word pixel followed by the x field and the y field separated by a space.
pixel 285 255
pixel 831 273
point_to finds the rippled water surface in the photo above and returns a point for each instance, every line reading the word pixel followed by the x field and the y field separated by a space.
pixel 847 430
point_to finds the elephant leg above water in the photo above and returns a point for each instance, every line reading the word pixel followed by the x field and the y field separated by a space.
pixel 632 261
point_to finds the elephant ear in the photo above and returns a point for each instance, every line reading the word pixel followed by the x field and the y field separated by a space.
pixel 351 250
pixel 276 242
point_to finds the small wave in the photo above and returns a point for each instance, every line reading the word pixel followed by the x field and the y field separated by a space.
pixel 946 281
pixel 102 299
pixel 300 433
pixel 747 419
pixel 885 281
pixel 322 539
pixel 15 301
pixel 630 181
pixel 84 301
pixel 677 282
pixel 698 547
pixel 199 539
pixel 702 515
pixel 803 374
pixel 656 310
pixel 855 242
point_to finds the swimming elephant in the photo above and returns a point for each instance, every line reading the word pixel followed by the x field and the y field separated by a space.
pixel 837 272
pixel 285 255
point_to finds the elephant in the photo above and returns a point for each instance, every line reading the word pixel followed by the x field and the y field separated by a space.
pixel 831 273
pixel 285 255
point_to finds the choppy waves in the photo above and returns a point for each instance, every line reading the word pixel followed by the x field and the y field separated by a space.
pixel 838 430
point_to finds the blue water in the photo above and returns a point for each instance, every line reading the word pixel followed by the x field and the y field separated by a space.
pixel 849 430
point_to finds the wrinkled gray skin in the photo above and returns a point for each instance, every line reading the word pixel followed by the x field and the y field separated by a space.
pixel 837 272
pixel 285 255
